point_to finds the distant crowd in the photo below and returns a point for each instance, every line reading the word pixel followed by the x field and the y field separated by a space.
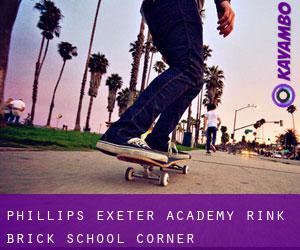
pixel 13 110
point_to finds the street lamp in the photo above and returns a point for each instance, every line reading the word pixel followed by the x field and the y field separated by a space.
pixel 235 115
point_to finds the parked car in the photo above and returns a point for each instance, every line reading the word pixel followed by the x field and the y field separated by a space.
pixel 268 154
pixel 276 155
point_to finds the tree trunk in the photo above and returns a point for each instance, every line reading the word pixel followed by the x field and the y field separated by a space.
pixel 53 96
pixel 136 64
pixel 111 102
pixel 200 114
pixel 146 62
pixel 109 116
pixel 198 119
pixel 294 129
pixel 44 56
pixel 95 83
pixel 122 110
pixel 197 124
pixel 189 119
pixel 9 9
pixel 83 83
pixel 87 123
pixel 36 80
pixel 149 71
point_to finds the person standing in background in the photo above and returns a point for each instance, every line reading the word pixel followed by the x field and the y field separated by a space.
pixel 17 108
pixel 7 109
pixel 212 121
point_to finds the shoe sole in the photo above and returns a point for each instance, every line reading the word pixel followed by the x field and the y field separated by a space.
pixel 115 149
pixel 180 157
pixel 175 156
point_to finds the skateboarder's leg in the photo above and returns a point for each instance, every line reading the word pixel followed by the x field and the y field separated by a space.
pixel 177 32
pixel 167 122
pixel 208 138
pixel 154 100
pixel 214 136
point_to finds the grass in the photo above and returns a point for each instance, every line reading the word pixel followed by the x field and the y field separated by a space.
pixel 51 139
pixel 183 148
pixel 46 138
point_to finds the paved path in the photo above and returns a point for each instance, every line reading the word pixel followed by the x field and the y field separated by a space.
pixel 92 172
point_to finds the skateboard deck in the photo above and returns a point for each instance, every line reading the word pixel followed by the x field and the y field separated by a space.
pixel 147 161
pixel 149 165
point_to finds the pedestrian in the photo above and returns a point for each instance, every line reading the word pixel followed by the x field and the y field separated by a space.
pixel 212 122
pixel 7 109
pixel 176 29
pixel 17 107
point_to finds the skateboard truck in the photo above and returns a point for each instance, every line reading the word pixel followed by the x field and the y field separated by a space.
pixel 149 173
pixel 163 178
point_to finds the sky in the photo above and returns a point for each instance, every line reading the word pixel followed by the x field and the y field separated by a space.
pixel 248 58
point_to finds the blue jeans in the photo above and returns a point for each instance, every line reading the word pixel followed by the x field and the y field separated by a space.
pixel 211 136
pixel 7 116
pixel 14 119
pixel 176 28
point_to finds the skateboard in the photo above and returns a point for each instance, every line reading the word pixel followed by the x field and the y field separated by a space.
pixel 149 165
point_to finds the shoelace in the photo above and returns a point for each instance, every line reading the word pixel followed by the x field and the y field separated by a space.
pixel 138 142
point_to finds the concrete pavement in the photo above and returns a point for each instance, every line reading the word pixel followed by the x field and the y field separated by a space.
pixel 58 172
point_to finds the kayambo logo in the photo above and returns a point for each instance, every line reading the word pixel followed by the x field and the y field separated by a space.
pixel 283 94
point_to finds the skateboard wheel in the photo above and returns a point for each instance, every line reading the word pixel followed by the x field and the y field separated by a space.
pixel 164 179
pixel 129 174
pixel 185 170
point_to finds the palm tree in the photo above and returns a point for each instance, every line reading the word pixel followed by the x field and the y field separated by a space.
pixel 122 100
pixel 193 123
pixel 198 117
pixel 98 65
pixel 189 119
pixel 255 136
pixel 288 139
pixel 244 141
pixel 10 8
pixel 207 53
pixel 66 51
pixel 83 83
pixel 153 50
pixel 136 64
pixel 180 131
pixel 49 24
pixel 292 109
pixel 134 47
pixel 146 61
pixel 114 83
pixel 159 67
pixel 214 85
pixel 225 135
